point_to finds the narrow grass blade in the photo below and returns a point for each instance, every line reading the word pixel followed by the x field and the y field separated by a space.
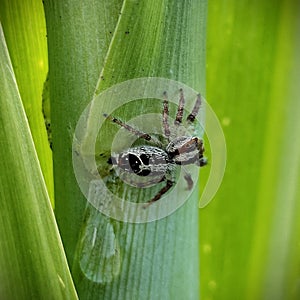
pixel 79 34
pixel 25 32
pixel 32 260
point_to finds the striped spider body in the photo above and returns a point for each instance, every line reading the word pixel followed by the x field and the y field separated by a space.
pixel 155 163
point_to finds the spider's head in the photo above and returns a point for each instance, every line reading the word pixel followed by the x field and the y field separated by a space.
pixel 186 150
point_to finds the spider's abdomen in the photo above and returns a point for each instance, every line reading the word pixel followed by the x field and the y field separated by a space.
pixel 143 161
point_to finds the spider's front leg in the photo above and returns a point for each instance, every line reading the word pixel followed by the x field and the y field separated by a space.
pixel 134 131
pixel 169 184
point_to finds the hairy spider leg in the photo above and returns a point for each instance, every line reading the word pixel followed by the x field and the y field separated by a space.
pixel 179 114
pixel 136 132
pixel 166 116
pixel 189 180
pixel 191 117
pixel 168 185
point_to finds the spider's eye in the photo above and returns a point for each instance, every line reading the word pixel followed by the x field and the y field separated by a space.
pixel 135 164
pixel 145 159
pixel 187 145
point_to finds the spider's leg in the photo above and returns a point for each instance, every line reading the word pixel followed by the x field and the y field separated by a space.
pixel 189 180
pixel 191 117
pixel 168 185
pixel 179 114
pixel 136 132
pixel 166 116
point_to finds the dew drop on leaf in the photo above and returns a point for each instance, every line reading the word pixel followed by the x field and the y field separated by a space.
pixel 99 252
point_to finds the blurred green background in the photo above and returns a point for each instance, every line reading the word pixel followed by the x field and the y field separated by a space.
pixel 249 234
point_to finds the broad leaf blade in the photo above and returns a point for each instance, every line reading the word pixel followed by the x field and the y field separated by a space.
pixel 152 38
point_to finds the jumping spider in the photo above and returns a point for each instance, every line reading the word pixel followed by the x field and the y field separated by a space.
pixel 156 162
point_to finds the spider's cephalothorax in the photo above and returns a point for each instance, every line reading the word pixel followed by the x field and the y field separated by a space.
pixel 155 163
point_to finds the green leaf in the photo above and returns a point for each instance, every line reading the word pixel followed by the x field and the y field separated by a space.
pixel 32 261
pixel 159 260
pixel 79 34
pixel 24 27
pixel 250 232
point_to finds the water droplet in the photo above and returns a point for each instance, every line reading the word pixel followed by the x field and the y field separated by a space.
pixel 99 254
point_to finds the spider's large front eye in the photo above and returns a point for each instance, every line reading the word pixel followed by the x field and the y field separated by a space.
pixel 135 164
pixel 145 159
